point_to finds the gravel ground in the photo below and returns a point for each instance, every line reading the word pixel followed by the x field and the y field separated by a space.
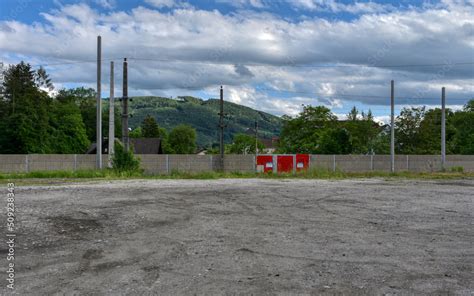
pixel 241 237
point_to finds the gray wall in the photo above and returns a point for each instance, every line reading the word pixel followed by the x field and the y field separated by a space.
pixel 164 164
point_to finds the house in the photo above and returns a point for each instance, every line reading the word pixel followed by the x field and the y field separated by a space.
pixel 146 145
pixel 139 146
pixel 270 145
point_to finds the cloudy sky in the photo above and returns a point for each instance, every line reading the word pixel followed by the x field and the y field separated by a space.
pixel 273 55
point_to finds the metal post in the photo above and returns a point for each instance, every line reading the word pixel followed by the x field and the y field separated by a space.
pixel 221 126
pixel 294 163
pixel 111 115
pixel 392 127
pixel 99 106
pixel 27 163
pixel 443 128
pixel 371 162
pixel 125 139
pixel 334 162
pixel 256 143
pixel 167 164
pixel 75 162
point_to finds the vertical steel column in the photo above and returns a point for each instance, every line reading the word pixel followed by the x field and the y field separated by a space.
pixel 443 128
pixel 392 126
pixel 99 106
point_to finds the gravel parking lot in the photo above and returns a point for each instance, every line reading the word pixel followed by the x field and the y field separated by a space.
pixel 244 236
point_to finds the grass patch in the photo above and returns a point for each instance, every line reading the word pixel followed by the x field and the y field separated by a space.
pixel 315 173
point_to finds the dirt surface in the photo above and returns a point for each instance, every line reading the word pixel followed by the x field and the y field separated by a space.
pixel 246 236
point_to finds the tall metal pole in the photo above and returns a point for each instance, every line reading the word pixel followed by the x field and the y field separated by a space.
pixel 125 139
pixel 111 115
pixel 443 127
pixel 221 126
pixel 256 145
pixel 256 137
pixel 99 106
pixel 392 127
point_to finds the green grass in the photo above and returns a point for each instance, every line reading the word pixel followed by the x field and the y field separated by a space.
pixel 316 173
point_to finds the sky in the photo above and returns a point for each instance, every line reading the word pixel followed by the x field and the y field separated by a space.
pixel 272 55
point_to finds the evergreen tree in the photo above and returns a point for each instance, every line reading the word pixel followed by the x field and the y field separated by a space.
pixel 150 128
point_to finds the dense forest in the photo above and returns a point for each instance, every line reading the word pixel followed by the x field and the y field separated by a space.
pixel 32 121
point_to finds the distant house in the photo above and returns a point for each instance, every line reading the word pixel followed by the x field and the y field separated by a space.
pixel 93 147
pixel 201 151
pixel 146 145
pixel 270 144
pixel 139 146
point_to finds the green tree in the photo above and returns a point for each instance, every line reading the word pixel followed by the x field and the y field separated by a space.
pixel 150 128
pixel 363 131
pixel 245 144
pixel 67 130
pixel 302 134
pixel 352 115
pixel 335 141
pixel 136 133
pixel 85 98
pixel 25 120
pixel 182 139
pixel 463 122
pixel 407 130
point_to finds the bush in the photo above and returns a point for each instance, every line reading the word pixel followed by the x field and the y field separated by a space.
pixel 457 169
pixel 124 161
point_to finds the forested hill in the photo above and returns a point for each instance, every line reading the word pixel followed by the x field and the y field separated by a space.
pixel 203 116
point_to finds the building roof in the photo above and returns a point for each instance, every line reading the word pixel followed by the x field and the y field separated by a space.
pixel 146 145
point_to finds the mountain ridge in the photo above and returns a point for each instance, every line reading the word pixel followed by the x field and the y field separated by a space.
pixel 203 116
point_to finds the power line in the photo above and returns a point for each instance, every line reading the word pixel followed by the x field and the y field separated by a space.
pixel 307 66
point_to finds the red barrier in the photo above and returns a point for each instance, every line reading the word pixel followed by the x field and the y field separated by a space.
pixel 265 163
pixel 285 163
pixel 302 162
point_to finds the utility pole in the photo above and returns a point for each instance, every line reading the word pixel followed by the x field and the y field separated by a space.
pixel 221 126
pixel 443 127
pixel 111 115
pixel 256 138
pixel 125 139
pixel 392 127
pixel 99 107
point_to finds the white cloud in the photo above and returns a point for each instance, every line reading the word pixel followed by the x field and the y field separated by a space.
pixel 250 53
pixel 336 7
pixel 107 4
pixel 162 3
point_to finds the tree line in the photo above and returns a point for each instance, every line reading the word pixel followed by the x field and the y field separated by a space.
pixel 33 121
pixel 417 131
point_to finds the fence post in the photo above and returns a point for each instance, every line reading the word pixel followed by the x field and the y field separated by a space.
pixel 294 164
pixel 75 162
pixel 210 159
pixel 168 164
pixel 275 163
pixel 334 162
pixel 408 163
pixel 27 163
pixel 371 162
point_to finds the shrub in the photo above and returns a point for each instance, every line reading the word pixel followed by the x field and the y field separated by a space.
pixel 457 169
pixel 124 161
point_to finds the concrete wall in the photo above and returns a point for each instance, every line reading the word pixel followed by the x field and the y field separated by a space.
pixel 164 164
